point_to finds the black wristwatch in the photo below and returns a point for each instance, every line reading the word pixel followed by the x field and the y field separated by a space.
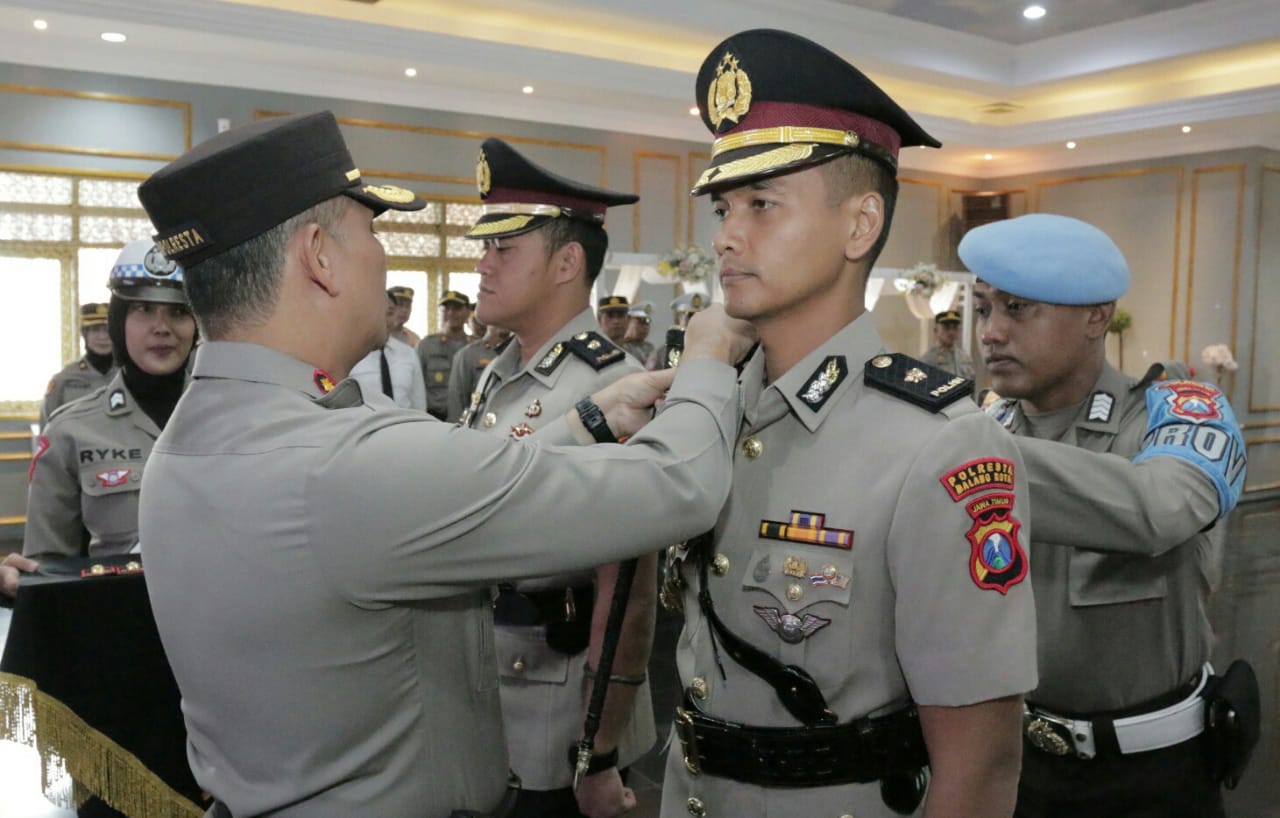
pixel 599 761
pixel 593 419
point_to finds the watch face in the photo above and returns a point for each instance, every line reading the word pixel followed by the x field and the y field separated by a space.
pixel 157 265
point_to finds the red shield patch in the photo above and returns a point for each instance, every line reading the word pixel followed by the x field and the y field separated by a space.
pixel 323 382
pixel 1191 400
pixel 996 559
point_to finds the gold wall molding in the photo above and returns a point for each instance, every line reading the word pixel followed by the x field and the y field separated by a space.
pixel 1260 424
pixel 697 160
pixel 637 158
pixel 940 193
pixel 1257 280
pixel 181 106
pixel 1179 173
pixel 14 457
pixel 429 130
pixel 18 520
pixel 1196 174
pixel 1261 441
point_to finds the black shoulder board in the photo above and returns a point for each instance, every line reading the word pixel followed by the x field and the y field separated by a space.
pixel 916 381
pixel 595 349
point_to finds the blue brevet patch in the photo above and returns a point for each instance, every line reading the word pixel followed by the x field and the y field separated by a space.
pixel 1194 421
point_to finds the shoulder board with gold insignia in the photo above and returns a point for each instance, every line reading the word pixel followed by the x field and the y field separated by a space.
pixel 915 381
pixel 595 349
pixel 551 360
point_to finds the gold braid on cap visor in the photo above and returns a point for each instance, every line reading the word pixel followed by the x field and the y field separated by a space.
pixel 797 143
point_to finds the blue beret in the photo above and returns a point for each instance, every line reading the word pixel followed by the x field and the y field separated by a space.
pixel 1055 259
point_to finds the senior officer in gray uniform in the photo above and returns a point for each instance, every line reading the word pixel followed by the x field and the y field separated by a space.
pixel 331 633
pixel 436 352
pixel 862 606
pixel 545 245
pixel 91 370
pixel 1127 481
pixel 88 465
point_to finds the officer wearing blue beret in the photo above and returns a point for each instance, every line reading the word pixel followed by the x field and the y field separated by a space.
pixel 1125 546
pixel 861 608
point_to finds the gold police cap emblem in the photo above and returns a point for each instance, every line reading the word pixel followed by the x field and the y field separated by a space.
pixel 729 96
pixel 483 178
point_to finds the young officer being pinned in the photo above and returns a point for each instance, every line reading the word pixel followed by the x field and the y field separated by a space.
pixel 1128 480
pixel 321 594
pixel 88 466
pixel 544 246
pixel 862 607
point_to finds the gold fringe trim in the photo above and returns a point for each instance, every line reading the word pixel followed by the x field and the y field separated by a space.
pixel 755 164
pixel 500 226
pixel 97 765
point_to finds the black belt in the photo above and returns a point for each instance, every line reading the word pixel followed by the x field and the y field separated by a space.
pixel 527 608
pixel 858 752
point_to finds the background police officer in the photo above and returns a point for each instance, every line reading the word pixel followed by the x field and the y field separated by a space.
pixel 436 352
pixel 946 352
pixel 90 371
pixel 545 244
pixel 1127 480
pixel 862 606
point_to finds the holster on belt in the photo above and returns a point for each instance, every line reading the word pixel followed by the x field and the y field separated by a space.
pixel 1233 715
pixel 565 613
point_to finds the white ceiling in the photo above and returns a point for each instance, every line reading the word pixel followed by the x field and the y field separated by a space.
pixel 1121 90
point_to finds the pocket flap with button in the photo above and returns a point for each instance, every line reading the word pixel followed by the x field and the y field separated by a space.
pixel 800 576
pixel 523 654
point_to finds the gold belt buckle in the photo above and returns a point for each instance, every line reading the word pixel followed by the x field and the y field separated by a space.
pixel 1048 734
pixel 688 740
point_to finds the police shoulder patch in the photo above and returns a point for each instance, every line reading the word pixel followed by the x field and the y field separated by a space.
pixel 915 381
pixel 595 349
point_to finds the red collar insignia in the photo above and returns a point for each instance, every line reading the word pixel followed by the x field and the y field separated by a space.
pixel 323 382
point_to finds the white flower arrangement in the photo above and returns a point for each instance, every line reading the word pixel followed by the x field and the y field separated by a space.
pixel 1220 358
pixel 690 264
pixel 924 279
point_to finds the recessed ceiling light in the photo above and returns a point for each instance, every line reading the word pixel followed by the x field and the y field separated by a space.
pixel 411 72
pixel 113 37
pixel 1071 146
pixel 1033 12
pixel 987 156
pixel 694 111
pixel 40 25
pixel 528 89
pixel 1186 129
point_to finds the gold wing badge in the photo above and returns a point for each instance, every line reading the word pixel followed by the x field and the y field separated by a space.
pixel 729 96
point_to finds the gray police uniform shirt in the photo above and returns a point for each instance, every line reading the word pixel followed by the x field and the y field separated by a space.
pixel 542 688
pixel 330 629
pixel 1122 571
pixel 905 609
pixel 468 366
pixel 435 355
pixel 74 381
pixel 85 475
pixel 954 360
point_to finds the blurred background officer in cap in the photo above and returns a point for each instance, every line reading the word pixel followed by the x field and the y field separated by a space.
pixel 90 371
pixel 321 594
pixel 611 312
pixel 635 341
pixel 88 465
pixel 683 307
pixel 946 352
pixel 436 352
pixel 841 633
pixel 545 244
pixel 1124 562
pixel 392 369
pixel 403 296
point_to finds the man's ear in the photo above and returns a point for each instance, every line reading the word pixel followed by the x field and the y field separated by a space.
pixel 1098 318
pixel 568 262
pixel 310 247
pixel 865 213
